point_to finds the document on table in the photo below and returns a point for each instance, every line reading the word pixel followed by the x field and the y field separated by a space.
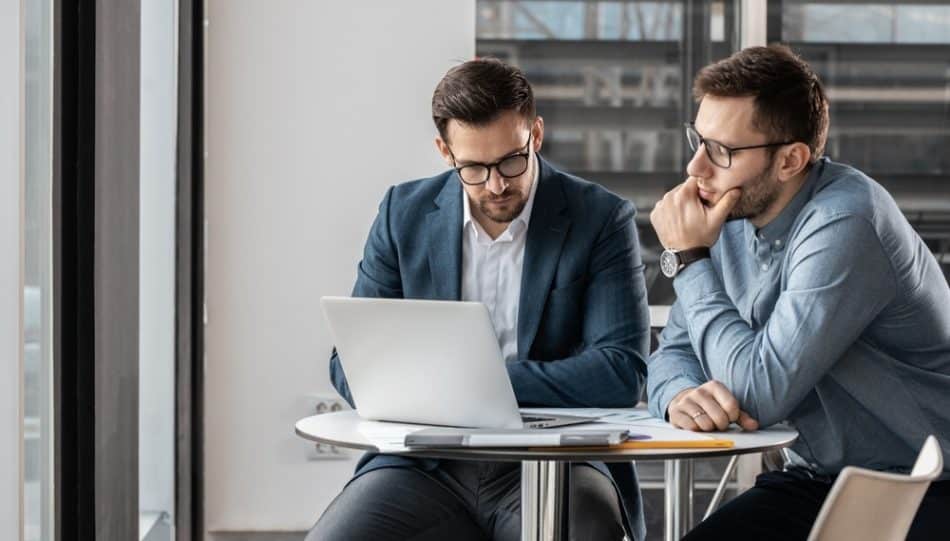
pixel 639 422
pixel 391 437
pixel 607 415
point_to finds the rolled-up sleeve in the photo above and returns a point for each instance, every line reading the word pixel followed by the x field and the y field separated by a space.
pixel 837 280
pixel 673 367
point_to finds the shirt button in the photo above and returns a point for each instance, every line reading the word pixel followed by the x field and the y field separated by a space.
pixel 777 243
pixel 764 267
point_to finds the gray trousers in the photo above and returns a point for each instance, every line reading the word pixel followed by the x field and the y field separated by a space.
pixel 460 500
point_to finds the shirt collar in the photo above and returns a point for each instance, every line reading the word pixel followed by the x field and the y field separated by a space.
pixel 518 224
pixel 778 229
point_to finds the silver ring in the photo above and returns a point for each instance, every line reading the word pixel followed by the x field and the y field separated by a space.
pixel 698 414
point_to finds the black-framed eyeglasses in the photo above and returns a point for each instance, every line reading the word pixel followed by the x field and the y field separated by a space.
pixel 719 154
pixel 510 166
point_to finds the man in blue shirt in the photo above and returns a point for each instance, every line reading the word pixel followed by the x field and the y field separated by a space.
pixel 557 262
pixel 803 295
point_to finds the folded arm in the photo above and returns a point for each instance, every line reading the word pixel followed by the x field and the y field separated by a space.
pixel 609 368
pixel 838 280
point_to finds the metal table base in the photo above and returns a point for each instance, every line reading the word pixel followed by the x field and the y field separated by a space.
pixel 678 498
pixel 545 489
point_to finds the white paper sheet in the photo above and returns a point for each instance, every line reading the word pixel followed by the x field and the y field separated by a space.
pixel 618 415
pixel 637 421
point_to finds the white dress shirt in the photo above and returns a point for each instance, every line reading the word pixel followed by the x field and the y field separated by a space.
pixel 491 270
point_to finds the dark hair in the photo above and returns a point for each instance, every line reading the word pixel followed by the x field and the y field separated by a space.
pixel 478 91
pixel 790 102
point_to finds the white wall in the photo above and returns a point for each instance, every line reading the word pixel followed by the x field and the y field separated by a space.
pixel 312 110
pixel 11 276
pixel 159 127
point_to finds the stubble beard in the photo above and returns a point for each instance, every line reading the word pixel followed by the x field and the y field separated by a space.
pixel 503 216
pixel 758 195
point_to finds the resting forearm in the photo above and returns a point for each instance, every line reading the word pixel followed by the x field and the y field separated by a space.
pixel 605 377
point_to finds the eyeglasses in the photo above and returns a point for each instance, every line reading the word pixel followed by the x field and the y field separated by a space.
pixel 719 154
pixel 511 166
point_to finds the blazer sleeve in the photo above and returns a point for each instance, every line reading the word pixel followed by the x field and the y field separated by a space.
pixel 610 367
pixel 377 275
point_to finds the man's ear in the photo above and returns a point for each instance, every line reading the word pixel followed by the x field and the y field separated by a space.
pixel 793 160
pixel 537 133
pixel 443 149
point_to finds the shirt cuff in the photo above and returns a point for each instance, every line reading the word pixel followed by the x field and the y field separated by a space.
pixel 696 282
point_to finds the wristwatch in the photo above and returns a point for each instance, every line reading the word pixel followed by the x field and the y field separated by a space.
pixel 673 261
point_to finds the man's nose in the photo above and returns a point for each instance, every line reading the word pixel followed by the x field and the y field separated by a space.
pixel 496 184
pixel 699 166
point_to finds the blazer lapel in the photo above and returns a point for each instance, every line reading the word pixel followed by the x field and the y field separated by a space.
pixel 444 227
pixel 546 233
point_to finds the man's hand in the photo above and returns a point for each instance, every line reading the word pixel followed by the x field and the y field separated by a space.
pixel 682 221
pixel 707 408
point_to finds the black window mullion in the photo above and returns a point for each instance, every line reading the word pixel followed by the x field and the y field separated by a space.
pixel 95 262
pixel 73 240
pixel 189 281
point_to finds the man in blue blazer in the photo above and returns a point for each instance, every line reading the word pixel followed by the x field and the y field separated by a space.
pixel 556 260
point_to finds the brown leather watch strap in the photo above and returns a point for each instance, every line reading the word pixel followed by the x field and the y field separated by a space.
pixel 692 255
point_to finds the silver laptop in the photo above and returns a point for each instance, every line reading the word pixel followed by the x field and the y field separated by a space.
pixel 426 362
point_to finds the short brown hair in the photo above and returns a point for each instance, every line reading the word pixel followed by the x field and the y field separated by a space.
pixel 478 91
pixel 789 99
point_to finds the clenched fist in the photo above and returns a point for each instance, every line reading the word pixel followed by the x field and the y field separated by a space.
pixel 707 408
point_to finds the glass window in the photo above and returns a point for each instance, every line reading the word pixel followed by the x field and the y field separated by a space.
pixel 37 296
pixel 158 125
pixel 870 22
pixel 612 81
pixel 886 68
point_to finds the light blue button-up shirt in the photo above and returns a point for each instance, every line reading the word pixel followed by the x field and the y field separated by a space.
pixel 834 317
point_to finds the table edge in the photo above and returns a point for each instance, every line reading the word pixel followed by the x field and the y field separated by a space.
pixel 497 455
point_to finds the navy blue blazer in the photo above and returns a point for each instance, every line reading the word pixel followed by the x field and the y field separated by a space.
pixel 583 320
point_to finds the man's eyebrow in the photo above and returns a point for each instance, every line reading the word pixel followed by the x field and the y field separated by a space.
pixel 715 140
pixel 720 141
pixel 503 156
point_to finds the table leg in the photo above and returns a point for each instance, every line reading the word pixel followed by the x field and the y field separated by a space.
pixel 544 500
pixel 678 503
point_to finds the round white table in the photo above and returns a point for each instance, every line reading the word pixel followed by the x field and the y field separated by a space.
pixel 544 472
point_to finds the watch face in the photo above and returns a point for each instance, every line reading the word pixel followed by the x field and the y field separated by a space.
pixel 669 263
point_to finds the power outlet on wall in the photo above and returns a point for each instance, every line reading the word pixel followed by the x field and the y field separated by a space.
pixel 330 405
pixel 320 404
pixel 323 451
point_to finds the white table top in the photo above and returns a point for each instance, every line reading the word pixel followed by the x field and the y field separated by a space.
pixel 343 430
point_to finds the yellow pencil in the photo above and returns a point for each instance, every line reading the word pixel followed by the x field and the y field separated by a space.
pixel 650 444
pixel 670 444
